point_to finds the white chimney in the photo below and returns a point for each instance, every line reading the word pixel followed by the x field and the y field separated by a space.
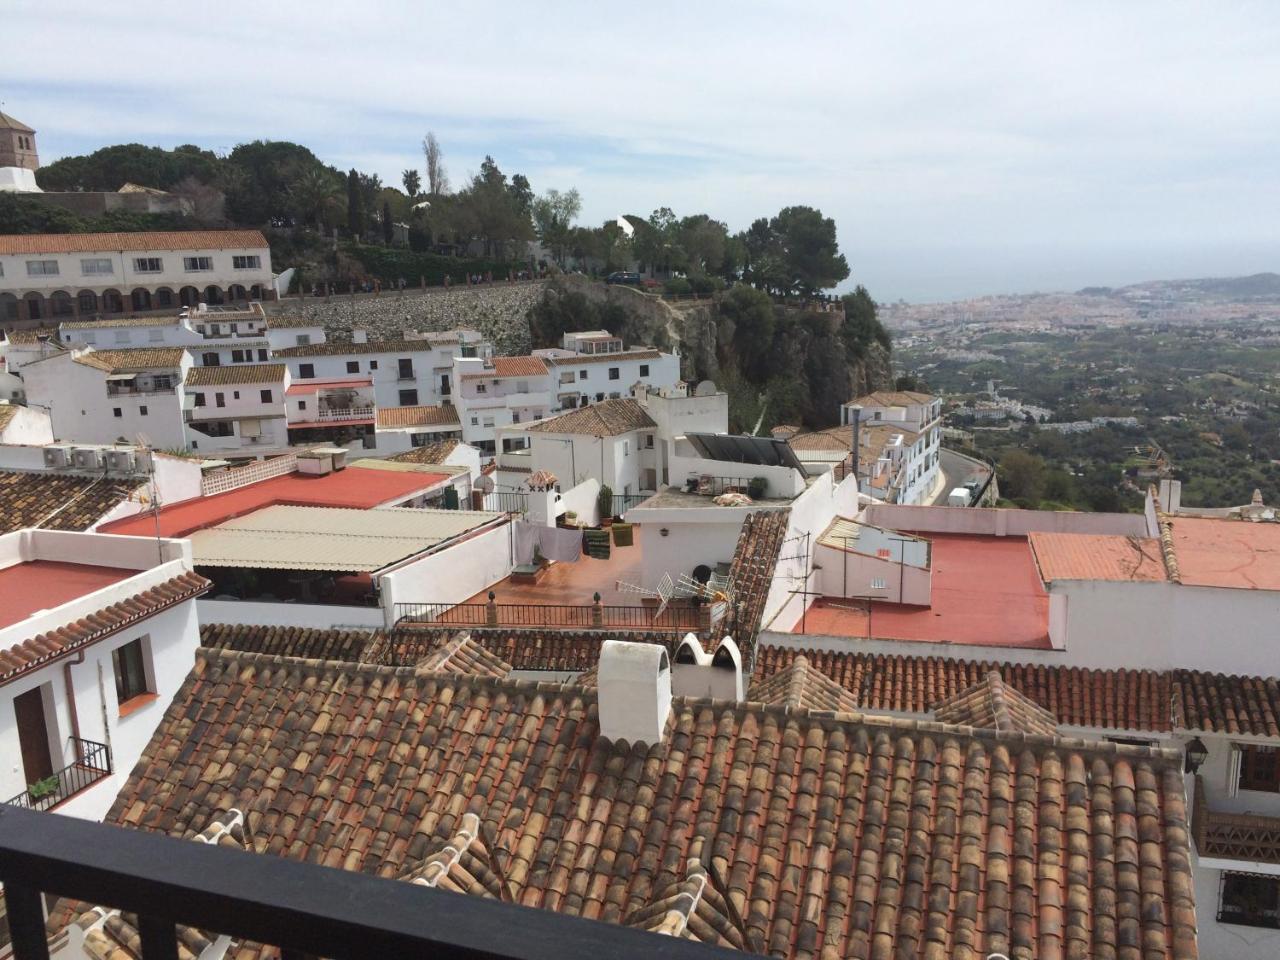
pixel 359 336
pixel 634 689
pixel 696 673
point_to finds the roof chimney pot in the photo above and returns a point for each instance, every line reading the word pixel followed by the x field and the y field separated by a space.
pixel 634 684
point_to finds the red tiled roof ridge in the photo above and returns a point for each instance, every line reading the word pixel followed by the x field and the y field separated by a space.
pixel 1167 548
pixel 142 240
pixel 53 644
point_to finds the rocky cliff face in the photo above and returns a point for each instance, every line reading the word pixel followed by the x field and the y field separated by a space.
pixel 810 374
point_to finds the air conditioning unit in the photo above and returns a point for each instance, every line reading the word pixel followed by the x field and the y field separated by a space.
pixel 86 458
pixel 143 461
pixel 121 461
pixel 57 457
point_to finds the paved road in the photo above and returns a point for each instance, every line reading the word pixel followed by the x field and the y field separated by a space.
pixel 958 470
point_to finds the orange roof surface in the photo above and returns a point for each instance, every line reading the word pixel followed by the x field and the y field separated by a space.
pixel 355 487
pixel 1214 552
pixel 45 584
pixel 102 242
pixel 986 591
pixel 511 367
pixel 1081 556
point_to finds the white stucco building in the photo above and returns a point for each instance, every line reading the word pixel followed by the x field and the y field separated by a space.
pixel 47 278
pixel 98 633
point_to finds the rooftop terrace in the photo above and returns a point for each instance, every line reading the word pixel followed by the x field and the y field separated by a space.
pixel 986 592
pixel 26 588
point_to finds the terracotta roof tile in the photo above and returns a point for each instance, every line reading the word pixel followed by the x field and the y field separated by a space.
pixel 236 373
pixel 462 863
pixel 462 654
pixel 835 836
pixel 510 367
pixel 800 685
pixel 991 705
pixel 1076 696
pixel 446 415
pixel 57 501
pixel 332 348
pixel 286 321
pixel 45 647
pixel 7 413
pixel 752 570
pixel 150 240
pixel 561 651
pixel 430 453
pixel 150 320
pixel 1219 703
pixel 311 643
pixel 33 337
pixel 608 418
pixel 893 398
pixel 133 359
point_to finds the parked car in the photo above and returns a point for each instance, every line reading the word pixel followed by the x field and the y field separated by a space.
pixel 630 279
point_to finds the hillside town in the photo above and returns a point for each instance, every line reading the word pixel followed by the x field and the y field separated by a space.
pixel 410 617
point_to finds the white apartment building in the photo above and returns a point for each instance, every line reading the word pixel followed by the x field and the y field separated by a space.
pixel 500 392
pixel 101 396
pixel 231 407
pixel 97 632
pixel 917 418
pixel 405 373
pixel 46 278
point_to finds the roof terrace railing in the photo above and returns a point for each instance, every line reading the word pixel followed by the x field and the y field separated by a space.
pixel 559 615
pixel 301 908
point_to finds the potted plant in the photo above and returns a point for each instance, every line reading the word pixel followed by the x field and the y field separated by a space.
pixel 604 503
pixel 43 788
pixel 756 488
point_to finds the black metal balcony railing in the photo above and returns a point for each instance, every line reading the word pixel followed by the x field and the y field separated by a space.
pixel 622 502
pixel 301 908
pixel 93 763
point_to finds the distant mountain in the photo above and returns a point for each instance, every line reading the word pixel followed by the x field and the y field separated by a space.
pixel 1257 285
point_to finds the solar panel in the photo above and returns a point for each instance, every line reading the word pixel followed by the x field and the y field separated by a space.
pixel 739 448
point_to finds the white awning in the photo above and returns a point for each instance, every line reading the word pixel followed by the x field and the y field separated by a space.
pixel 121 376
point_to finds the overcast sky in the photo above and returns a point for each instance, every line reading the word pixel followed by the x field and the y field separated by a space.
pixel 962 148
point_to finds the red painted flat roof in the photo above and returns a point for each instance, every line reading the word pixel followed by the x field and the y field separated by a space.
pixel 1214 552
pixel 986 591
pixel 357 487
pixel 44 584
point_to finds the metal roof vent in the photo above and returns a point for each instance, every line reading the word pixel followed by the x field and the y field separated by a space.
pixel 634 683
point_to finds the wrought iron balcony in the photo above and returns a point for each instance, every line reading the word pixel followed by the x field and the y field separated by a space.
pixel 301 908
pixel 1233 836
pixel 93 763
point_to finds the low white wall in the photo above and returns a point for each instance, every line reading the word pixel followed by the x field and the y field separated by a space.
pixel 583 500
pixel 451 575
pixel 270 614
pixel 29 426
pixel 991 521
pixel 686 545
pixel 779 481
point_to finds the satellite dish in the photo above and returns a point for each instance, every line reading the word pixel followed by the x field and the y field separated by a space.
pixel 705 389
pixel 484 483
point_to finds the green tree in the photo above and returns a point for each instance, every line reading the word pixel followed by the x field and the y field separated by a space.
pixel 1022 477
pixel 808 241
pixel 314 198
pixel 258 179
pixel 355 205
pixel 412 181
pixel 388 227
pixel 553 216
pixel 754 320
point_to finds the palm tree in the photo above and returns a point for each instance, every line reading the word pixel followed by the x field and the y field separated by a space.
pixel 412 181
pixel 314 196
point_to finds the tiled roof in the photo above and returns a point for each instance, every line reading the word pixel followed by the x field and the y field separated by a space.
pixel 800 685
pixel 696 905
pixel 235 374
pixel 991 705
pixel 312 643
pixel 332 348
pixel 751 572
pixel 133 359
pixel 462 654
pixel 1218 703
pixel 832 438
pixel 511 367
pixel 608 418
pixel 836 835
pixel 104 242
pixel 7 412
pixel 1081 556
pixel 441 414
pixel 430 453
pixel 153 320
pixel 33 337
pixel 1078 697
pixel 57 501
pixel 9 123
pixel 893 398
pixel 45 647
pixel 462 863
pixel 580 358
pixel 1215 552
